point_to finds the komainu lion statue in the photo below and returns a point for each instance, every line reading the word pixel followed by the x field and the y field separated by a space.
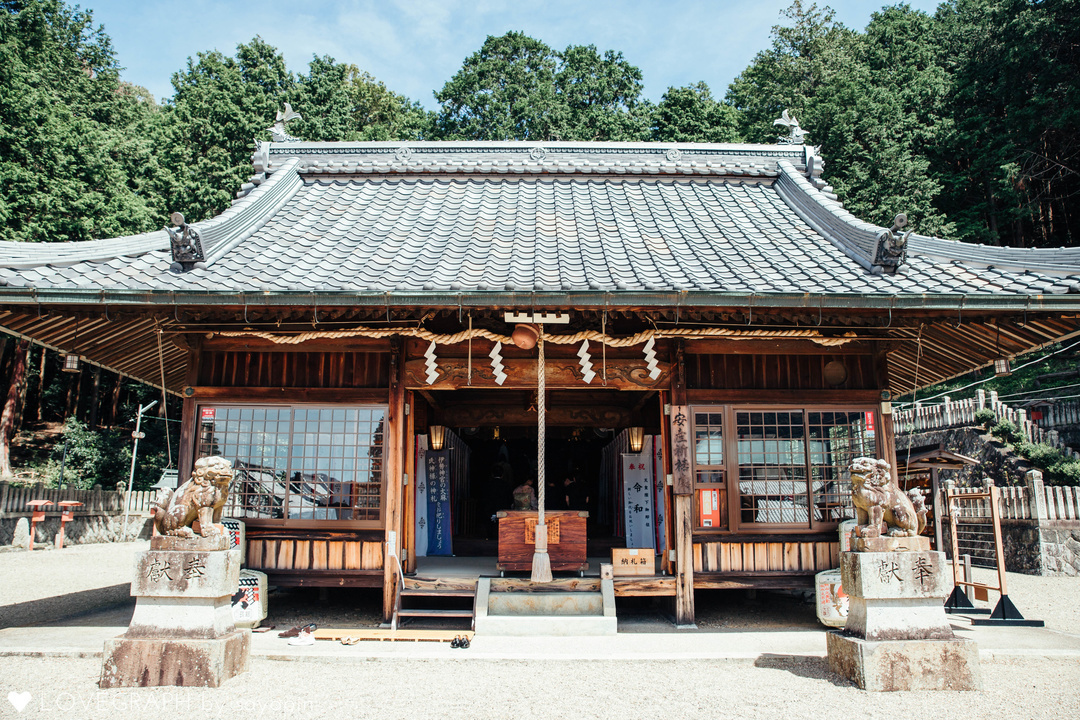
pixel 881 507
pixel 200 498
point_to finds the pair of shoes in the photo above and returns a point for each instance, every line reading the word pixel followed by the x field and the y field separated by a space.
pixel 459 642
pixel 305 636
pixel 349 640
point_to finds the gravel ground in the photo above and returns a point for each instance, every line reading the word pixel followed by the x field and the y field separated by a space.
pixel 46 585
pixel 771 687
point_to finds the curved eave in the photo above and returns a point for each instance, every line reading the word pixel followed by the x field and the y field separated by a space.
pixel 1064 302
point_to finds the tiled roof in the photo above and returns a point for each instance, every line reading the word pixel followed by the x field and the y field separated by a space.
pixel 473 217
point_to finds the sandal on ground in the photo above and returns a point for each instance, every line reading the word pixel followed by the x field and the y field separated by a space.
pixel 291 632
pixel 349 640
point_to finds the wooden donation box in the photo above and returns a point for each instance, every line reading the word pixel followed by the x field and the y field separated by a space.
pixel 566 539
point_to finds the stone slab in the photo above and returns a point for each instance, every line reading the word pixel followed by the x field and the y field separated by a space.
pixel 218 541
pixel 186 573
pixel 162 662
pixel 181 618
pixel 916 543
pixel 549 625
pixel 905 665
pixel 895 575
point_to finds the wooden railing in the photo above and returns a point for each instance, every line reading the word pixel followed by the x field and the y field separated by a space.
pixel 961 413
pixel 1033 500
pixel 13 499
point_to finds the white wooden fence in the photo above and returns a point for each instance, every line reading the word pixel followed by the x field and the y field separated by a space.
pixel 13 499
pixel 960 413
pixel 1032 501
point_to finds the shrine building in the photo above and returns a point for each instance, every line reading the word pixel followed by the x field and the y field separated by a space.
pixel 361 334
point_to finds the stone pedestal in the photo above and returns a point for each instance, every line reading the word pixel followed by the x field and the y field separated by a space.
pixel 897 635
pixel 182 631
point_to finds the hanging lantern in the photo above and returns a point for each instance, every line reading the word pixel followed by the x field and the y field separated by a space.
pixel 1002 367
pixel 637 438
pixel 438 436
pixel 71 363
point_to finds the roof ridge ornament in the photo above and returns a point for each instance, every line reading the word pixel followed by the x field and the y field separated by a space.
pixel 796 136
pixel 278 131
pixel 891 249
pixel 185 243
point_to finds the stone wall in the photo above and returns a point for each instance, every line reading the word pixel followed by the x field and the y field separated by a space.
pixel 995 463
pixel 81 530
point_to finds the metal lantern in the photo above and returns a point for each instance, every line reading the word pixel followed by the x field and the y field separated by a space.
pixel 438 436
pixel 1002 367
pixel 71 363
pixel 637 438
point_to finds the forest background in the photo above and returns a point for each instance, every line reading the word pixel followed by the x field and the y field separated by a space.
pixel 968 120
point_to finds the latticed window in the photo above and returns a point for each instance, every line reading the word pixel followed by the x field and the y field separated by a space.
pixel 297 464
pixel 776 469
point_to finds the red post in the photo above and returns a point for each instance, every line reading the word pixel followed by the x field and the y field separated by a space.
pixel 65 515
pixel 38 506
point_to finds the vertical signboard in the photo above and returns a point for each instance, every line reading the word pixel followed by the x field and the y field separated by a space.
pixel 438 502
pixel 658 484
pixel 680 450
pixel 638 499
pixel 421 506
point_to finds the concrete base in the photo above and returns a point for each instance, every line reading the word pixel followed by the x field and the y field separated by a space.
pixel 905 664
pixel 545 613
pixel 157 662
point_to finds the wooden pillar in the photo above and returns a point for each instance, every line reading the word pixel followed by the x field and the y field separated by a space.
pixel 409 486
pixel 189 423
pixel 683 490
pixel 668 499
pixel 394 469
pixel 887 436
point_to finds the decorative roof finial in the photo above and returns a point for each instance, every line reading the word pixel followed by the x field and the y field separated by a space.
pixel 891 249
pixel 185 243
pixel 278 131
pixel 797 135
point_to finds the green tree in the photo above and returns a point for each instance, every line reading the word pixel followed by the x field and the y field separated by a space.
pixel 341 102
pixel 76 144
pixel 220 106
pixel 601 95
pixel 691 114
pixel 1011 162
pixel 871 102
pixel 517 88
pixel 504 91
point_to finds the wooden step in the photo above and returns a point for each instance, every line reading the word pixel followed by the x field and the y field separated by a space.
pixel 433 612
pixel 439 593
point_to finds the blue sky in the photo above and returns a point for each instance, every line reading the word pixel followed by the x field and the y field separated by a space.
pixel 415 46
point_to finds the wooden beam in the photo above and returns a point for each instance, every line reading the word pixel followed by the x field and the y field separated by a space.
pixel 622 374
pixel 773 347
pixel 787 397
pixel 278 394
pixel 564 416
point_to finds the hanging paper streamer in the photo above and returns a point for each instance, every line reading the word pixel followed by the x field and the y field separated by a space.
pixel 438 498
pixel 496 363
pixel 432 364
pixel 650 359
pixel 586 362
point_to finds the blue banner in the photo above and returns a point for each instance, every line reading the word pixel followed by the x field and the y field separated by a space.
pixel 438 498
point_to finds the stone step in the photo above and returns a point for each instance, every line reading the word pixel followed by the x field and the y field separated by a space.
pixel 434 612
pixel 544 610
